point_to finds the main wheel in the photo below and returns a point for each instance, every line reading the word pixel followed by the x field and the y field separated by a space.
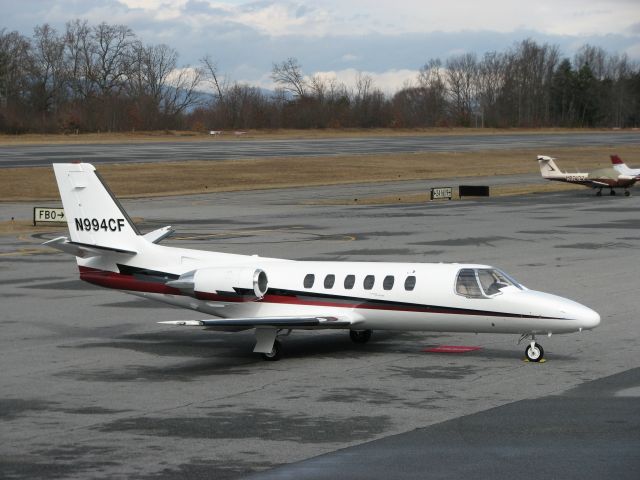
pixel 612 192
pixel 534 353
pixel 360 336
pixel 275 353
pixel 599 193
pixel 627 193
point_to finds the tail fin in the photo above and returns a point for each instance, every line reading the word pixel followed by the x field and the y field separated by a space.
pixel 548 167
pixel 616 160
pixel 94 216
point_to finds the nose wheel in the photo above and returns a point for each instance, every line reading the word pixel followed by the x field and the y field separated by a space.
pixel 534 352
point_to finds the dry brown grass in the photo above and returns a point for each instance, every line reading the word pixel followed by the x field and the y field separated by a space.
pixel 189 136
pixel 180 178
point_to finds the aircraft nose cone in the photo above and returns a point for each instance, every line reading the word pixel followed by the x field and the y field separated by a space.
pixel 589 318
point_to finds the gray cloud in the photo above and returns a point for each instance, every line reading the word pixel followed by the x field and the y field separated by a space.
pixel 245 51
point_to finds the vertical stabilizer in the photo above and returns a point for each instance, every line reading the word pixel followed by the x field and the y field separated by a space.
pixel 616 160
pixel 94 216
pixel 548 167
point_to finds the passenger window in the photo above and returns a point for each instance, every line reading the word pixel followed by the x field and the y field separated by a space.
pixel 467 284
pixel 410 283
pixel 369 280
pixel 329 280
pixel 308 280
pixel 387 283
pixel 349 281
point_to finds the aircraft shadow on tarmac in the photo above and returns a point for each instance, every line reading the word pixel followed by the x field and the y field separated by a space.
pixel 227 354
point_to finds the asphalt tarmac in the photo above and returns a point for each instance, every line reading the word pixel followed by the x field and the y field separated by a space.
pixel 241 148
pixel 92 387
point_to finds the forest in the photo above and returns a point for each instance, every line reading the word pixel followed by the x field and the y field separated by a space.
pixel 103 78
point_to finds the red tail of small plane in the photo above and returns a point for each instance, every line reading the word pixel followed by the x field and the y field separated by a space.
pixel 616 160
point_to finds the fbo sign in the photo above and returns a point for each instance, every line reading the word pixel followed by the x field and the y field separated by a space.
pixel 48 215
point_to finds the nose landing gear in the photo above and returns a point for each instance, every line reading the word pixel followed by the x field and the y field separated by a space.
pixel 534 351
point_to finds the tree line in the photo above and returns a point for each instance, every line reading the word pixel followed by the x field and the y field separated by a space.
pixel 103 78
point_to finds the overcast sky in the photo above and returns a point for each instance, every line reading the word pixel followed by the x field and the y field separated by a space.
pixel 388 39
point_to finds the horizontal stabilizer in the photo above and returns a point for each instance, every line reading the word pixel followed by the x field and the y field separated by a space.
pixel 276 322
pixel 158 235
pixel 83 250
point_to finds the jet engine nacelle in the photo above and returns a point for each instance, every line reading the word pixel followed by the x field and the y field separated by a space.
pixel 221 283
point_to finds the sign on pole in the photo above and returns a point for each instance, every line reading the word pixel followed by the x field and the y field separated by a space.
pixel 48 215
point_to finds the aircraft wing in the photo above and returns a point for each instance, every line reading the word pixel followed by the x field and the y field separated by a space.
pixel 308 323
pixel 596 183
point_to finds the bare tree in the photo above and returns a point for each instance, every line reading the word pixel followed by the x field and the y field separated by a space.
pixel 363 86
pixel 182 92
pixel 210 74
pixel 595 57
pixel 461 82
pixel 431 93
pixel 288 75
pixel 78 49
pixel 14 59
pixel 109 67
pixel 491 78
pixel 47 68
pixel 318 87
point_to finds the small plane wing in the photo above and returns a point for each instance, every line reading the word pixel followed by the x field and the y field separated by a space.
pixel 597 183
pixel 83 250
pixel 264 322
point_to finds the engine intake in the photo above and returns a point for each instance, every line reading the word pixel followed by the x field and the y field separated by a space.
pixel 224 283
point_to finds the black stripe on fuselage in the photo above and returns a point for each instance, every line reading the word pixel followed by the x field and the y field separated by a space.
pixel 280 295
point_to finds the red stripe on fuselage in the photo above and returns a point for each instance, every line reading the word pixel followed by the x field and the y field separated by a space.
pixel 105 278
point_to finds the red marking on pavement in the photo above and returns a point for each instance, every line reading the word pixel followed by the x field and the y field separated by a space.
pixel 451 349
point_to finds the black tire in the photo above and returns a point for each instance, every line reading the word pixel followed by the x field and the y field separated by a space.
pixel 360 336
pixel 533 355
pixel 627 193
pixel 276 352
pixel 599 193
pixel 613 192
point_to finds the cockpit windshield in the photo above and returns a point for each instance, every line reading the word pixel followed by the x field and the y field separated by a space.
pixel 483 282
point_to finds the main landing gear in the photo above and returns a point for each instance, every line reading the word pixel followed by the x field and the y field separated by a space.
pixel 534 351
pixel 612 192
pixel 275 354
pixel 360 336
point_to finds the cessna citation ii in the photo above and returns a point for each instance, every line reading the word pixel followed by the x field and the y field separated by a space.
pixel 602 178
pixel 274 296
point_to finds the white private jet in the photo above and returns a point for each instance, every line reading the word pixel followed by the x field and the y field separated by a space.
pixel 622 167
pixel 275 296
